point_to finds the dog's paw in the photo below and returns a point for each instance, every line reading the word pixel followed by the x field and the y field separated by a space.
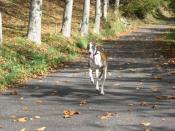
pixel 92 81
pixel 102 93
pixel 97 88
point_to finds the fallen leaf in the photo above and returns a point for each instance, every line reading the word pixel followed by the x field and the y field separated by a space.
pixel 39 101
pixel 23 129
pixel 15 93
pixel 23 119
pixel 130 104
pixel 1 126
pixel 166 97
pixel 83 102
pixel 31 119
pixel 146 124
pixel 25 108
pixel 37 117
pixel 147 129
pixel 116 84
pixel 107 116
pixel 155 106
pixel 12 117
pixel 154 89
pixel 163 119
pixel 143 103
pixel 69 113
pixel 157 77
pixel 21 98
pixel 40 129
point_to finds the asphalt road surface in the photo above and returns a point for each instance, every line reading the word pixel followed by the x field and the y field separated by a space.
pixel 139 91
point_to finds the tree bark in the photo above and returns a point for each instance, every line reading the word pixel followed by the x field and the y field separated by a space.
pixel 97 17
pixel 105 9
pixel 117 3
pixel 85 19
pixel 67 18
pixel 1 28
pixel 34 28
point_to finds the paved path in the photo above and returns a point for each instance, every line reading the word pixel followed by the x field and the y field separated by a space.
pixel 136 76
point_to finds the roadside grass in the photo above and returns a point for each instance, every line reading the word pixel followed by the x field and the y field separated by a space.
pixel 21 59
pixel 171 38
pixel 171 35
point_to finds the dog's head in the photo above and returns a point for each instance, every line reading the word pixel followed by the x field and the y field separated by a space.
pixel 92 48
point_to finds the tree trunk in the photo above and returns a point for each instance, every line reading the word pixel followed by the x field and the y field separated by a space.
pixel 34 29
pixel 117 3
pixel 105 9
pixel 85 20
pixel 67 18
pixel 97 17
pixel 0 28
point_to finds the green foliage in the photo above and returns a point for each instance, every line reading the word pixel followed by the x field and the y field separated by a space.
pixel 114 26
pixel 82 43
pixel 21 59
pixel 171 35
pixel 140 8
pixel 172 5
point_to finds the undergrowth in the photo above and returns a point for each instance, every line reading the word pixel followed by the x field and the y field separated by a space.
pixel 171 35
pixel 21 59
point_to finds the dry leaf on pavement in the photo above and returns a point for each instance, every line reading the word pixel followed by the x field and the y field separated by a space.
pixel 12 117
pixel 157 77
pixel 23 129
pixel 69 113
pixel 83 102
pixel 146 123
pixel 15 93
pixel 40 129
pixel 25 108
pixel 165 97
pixel 37 117
pixel 155 106
pixel 107 116
pixel 22 119
pixel 143 103
pixel 39 101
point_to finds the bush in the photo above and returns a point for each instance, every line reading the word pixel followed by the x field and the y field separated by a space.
pixel 21 58
pixel 139 8
pixel 172 5
pixel 82 43
pixel 113 26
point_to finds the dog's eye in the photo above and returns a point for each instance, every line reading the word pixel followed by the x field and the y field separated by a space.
pixel 93 47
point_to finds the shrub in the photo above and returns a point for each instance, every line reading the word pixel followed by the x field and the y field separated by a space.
pixel 140 8
pixel 114 26
pixel 82 43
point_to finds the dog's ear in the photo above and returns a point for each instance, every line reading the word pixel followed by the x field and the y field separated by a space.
pixel 100 48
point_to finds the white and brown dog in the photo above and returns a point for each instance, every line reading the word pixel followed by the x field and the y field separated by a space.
pixel 98 61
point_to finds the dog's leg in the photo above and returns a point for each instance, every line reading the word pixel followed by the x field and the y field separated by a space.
pixel 91 75
pixel 97 77
pixel 104 79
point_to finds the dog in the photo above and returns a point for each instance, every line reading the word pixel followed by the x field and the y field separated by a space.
pixel 98 60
